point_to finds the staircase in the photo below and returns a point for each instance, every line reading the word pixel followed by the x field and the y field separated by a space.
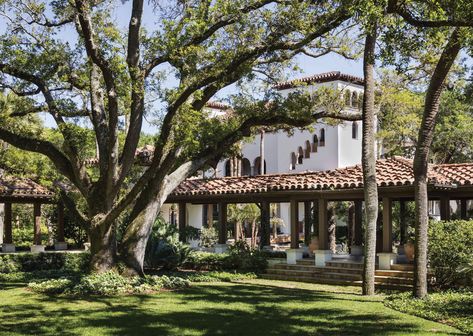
pixel 341 272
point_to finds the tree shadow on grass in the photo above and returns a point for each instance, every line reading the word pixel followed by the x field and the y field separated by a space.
pixel 216 309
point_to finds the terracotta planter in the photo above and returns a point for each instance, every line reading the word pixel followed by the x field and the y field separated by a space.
pixel 409 251
pixel 314 244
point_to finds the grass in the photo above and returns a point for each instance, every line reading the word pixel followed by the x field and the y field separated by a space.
pixel 453 308
pixel 249 307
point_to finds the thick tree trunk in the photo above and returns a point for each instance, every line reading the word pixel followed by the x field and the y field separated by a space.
pixel 426 133
pixel 369 164
pixel 103 248
pixel 136 238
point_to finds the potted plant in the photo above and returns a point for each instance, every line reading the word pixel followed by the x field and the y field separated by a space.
pixel 409 250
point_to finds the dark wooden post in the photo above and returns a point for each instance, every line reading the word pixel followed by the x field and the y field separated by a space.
pixel 37 224
pixel 307 222
pixel 323 229
pixel 265 225
pixel 7 224
pixel 463 209
pixel 402 222
pixel 387 225
pixel 222 222
pixel 294 210
pixel 358 235
pixel 60 223
pixel 182 222
pixel 445 208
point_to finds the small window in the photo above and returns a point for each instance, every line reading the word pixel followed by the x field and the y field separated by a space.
pixel 347 97
pixel 322 137
pixel 308 148
pixel 300 156
pixel 245 167
pixel 258 166
pixel 293 161
pixel 354 130
pixel 354 99
pixel 315 143
pixel 228 170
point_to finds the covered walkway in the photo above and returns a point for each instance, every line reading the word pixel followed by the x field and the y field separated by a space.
pixel 314 190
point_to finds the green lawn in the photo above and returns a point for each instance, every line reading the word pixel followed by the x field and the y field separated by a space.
pixel 252 307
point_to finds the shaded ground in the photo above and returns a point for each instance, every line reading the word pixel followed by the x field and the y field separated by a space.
pixel 253 307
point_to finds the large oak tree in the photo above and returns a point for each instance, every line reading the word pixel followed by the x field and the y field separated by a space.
pixel 73 60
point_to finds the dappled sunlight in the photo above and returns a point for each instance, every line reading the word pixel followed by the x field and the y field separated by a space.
pixel 210 309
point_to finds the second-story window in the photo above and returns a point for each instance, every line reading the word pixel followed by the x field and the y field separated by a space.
pixel 354 130
pixel 322 137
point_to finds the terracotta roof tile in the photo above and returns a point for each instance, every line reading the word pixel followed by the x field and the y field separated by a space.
pixel 457 173
pixel 22 187
pixel 320 78
pixel 396 171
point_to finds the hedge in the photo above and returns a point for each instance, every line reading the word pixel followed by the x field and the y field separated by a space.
pixel 31 262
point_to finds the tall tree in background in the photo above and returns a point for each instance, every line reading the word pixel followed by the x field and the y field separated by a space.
pixel 369 162
pixel 71 59
pixel 421 158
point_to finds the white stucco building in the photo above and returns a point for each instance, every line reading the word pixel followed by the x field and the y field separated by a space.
pixel 324 147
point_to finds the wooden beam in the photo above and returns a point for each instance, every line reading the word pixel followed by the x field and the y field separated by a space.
pixel 37 224
pixel 222 223
pixel 294 209
pixel 387 225
pixel 323 227
pixel 182 221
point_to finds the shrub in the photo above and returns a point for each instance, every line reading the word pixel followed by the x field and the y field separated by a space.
pixel 220 276
pixel 205 261
pixel 450 250
pixel 274 254
pixel 208 237
pixel 106 284
pixel 164 250
pixel 27 262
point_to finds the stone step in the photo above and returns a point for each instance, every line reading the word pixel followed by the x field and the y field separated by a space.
pixel 336 269
pixel 393 280
pixel 289 272
pixel 295 267
pixel 344 264
pixel 306 262
pixel 396 273
pixel 321 273
pixel 402 267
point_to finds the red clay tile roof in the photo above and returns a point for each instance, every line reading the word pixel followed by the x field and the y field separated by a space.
pixel 457 173
pixel 320 78
pixel 217 105
pixel 22 187
pixel 394 171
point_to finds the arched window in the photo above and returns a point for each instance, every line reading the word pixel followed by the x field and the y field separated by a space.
pixel 315 143
pixel 258 166
pixel 354 130
pixel 322 137
pixel 347 97
pixel 245 167
pixel 300 155
pixel 293 161
pixel 228 169
pixel 354 99
pixel 307 149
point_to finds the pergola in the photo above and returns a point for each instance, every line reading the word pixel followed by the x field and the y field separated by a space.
pixel 395 181
pixel 26 191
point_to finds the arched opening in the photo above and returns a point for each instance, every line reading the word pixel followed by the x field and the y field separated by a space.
pixel 347 97
pixel 307 149
pixel 245 167
pixel 315 143
pixel 300 155
pixel 354 99
pixel 354 130
pixel 293 161
pixel 228 169
pixel 258 166
pixel 322 137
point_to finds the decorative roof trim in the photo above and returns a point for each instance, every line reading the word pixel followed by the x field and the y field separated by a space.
pixel 320 78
